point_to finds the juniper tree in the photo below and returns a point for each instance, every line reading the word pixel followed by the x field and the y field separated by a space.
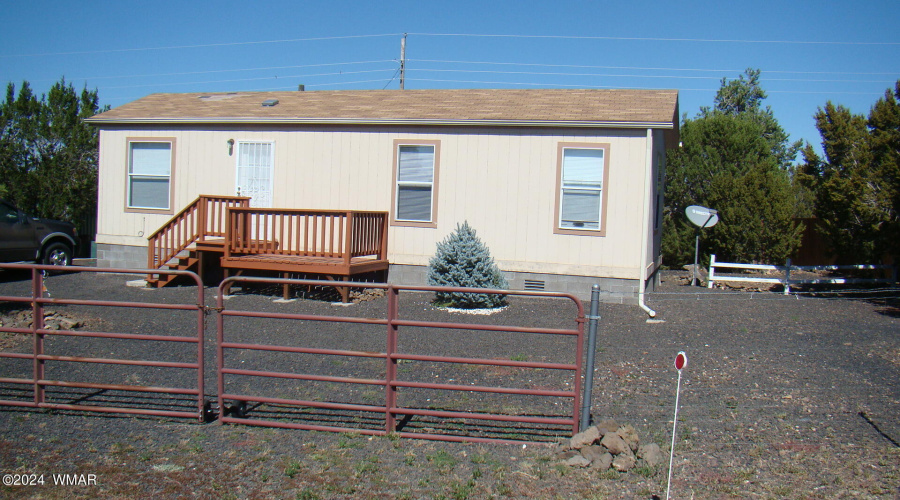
pixel 857 182
pixel 48 154
pixel 463 260
pixel 736 159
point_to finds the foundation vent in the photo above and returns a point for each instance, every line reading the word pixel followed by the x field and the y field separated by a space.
pixel 534 285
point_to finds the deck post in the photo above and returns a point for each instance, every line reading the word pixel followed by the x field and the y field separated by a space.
pixel 229 232
pixel 349 243
pixel 345 291
pixel 202 214
pixel 383 251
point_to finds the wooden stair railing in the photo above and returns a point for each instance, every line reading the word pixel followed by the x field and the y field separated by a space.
pixel 201 219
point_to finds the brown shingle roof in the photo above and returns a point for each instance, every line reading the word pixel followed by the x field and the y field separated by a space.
pixel 657 108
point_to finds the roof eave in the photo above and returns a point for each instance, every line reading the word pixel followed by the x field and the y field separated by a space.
pixel 384 121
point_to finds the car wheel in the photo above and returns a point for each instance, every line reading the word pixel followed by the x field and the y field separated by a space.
pixel 57 254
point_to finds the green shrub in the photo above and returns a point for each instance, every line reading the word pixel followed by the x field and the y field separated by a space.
pixel 462 260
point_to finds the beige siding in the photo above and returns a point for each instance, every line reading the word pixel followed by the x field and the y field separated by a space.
pixel 501 180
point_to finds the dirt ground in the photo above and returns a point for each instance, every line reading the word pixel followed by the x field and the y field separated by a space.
pixel 783 397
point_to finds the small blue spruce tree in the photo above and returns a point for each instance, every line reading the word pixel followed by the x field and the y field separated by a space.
pixel 463 260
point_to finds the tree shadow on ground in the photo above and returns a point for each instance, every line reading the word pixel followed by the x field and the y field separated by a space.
pixel 13 275
pixel 886 300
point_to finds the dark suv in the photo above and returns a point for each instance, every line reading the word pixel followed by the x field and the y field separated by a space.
pixel 45 241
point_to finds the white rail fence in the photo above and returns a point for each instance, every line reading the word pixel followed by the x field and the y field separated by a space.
pixel 787 268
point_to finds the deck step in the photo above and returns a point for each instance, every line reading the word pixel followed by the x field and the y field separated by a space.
pixel 183 263
pixel 188 262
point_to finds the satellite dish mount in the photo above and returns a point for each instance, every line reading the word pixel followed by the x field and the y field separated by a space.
pixel 701 217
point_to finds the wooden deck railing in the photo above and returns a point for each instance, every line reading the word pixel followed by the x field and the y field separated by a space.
pixel 202 219
pixel 306 233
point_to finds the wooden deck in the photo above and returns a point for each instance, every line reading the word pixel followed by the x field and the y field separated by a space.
pixel 299 264
pixel 334 244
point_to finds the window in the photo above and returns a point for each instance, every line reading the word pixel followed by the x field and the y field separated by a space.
pixel 150 174
pixel 582 182
pixel 415 183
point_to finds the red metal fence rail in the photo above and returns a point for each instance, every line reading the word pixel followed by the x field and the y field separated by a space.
pixel 40 359
pixel 233 404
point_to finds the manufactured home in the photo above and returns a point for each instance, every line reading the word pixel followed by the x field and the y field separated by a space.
pixel 564 186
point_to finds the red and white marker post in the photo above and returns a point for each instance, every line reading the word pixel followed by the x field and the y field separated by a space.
pixel 680 364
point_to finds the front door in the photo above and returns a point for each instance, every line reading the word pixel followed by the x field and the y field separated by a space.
pixel 255 165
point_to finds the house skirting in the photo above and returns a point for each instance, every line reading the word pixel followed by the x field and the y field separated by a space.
pixel 612 290
pixel 121 256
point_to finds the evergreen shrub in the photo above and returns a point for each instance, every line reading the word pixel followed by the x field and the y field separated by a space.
pixel 462 260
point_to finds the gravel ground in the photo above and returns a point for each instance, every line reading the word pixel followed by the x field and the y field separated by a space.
pixel 783 397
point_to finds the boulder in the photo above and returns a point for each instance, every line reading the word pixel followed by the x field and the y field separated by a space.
pixel 624 462
pixel 66 323
pixel 614 443
pixel 578 461
pixel 593 452
pixel 606 426
pixel 603 463
pixel 650 454
pixel 629 435
pixel 586 438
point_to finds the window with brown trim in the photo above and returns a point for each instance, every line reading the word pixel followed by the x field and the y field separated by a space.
pixel 414 200
pixel 582 174
pixel 150 169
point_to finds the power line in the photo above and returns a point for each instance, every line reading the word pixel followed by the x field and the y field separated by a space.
pixel 246 79
pixel 559 73
pixel 199 46
pixel 536 84
pixel 345 83
pixel 392 79
pixel 266 89
pixel 640 76
pixel 648 68
pixel 656 39
pixel 232 70
pixel 581 86
pixel 482 35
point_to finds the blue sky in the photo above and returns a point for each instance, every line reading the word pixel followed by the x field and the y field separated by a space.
pixel 809 52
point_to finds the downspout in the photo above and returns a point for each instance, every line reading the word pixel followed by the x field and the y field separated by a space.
pixel 645 228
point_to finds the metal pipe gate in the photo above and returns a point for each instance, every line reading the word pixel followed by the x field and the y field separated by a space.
pixel 239 406
pixel 382 394
pixel 40 359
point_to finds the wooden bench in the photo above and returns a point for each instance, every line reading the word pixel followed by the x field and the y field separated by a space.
pixel 332 243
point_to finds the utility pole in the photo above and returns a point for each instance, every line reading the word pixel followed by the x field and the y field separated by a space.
pixel 402 61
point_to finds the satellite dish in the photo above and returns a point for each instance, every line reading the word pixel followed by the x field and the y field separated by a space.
pixel 702 217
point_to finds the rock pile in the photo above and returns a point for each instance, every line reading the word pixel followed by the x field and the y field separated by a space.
pixel 609 445
pixel 52 320
pixel 366 294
